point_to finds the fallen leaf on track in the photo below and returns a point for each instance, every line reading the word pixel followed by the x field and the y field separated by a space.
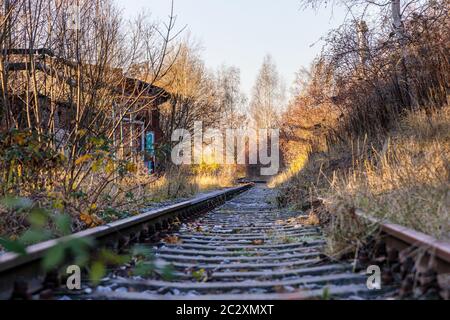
pixel 172 240
pixel 201 275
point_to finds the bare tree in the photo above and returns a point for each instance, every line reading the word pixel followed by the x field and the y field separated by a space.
pixel 268 99
pixel 230 97
pixel 373 71
pixel 75 88
pixel 192 89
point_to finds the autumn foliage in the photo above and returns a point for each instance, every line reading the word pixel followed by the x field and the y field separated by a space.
pixel 369 123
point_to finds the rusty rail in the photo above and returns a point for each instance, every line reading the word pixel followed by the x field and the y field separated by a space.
pixel 24 272
pixel 423 260
pixel 439 248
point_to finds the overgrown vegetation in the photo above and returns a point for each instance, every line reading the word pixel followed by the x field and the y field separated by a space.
pixel 77 101
pixel 369 128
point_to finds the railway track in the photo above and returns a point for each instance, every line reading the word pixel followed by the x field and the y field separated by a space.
pixel 234 245
pixel 245 249
pixel 22 276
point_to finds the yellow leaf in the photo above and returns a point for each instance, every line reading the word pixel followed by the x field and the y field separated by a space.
pixel 20 139
pixel 97 165
pixel 86 218
pixel 109 167
pixel 83 159
pixel 172 240
pixel 58 204
pixel 131 167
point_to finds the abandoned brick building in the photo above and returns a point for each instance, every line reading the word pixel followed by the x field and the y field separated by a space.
pixel 138 132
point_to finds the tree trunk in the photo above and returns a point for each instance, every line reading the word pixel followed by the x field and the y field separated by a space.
pixel 400 32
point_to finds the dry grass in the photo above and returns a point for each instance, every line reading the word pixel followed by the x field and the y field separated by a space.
pixel 182 182
pixel 378 134
pixel 287 175
pixel 120 199
pixel 408 181
pixel 405 180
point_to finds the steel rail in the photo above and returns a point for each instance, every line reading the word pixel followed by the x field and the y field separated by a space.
pixel 424 260
pixel 438 248
pixel 24 272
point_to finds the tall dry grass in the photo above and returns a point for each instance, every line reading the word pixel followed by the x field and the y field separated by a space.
pixel 122 198
pixel 386 151
pixel 404 180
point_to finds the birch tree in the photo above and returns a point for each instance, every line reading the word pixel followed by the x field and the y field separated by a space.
pixel 268 98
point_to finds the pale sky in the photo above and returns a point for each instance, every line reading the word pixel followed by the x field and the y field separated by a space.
pixel 242 32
